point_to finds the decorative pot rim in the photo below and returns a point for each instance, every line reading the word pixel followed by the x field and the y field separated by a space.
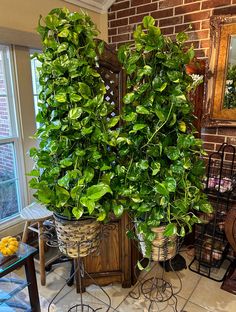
pixel 64 218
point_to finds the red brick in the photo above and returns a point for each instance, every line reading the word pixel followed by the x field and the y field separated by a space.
pixel 206 24
pixel 195 44
pixel 139 2
pixel 187 8
pixel 126 12
pixel 112 31
pixel 214 3
pixel 228 10
pixel 205 43
pixel 136 18
pixel 125 29
pixel 229 157
pixel 186 27
pixel 169 3
pixel 167 30
pixel 119 6
pixel 147 8
pixel 209 130
pixel 170 21
pixel 111 16
pixel 120 38
pixel 201 53
pixel 162 13
pixel 120 22
pixel 122 43
pixel 213 138
pixel 190 1
pixel 201 34
pixel 196 16
pixel 209 146
pixel 227 131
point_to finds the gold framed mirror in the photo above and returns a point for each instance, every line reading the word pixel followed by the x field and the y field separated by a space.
pixel 220 104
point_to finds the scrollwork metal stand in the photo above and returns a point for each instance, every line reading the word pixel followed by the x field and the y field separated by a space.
pixel 157 290
pixel 79 271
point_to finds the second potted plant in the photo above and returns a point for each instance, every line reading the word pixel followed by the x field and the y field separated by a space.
pixel 161 170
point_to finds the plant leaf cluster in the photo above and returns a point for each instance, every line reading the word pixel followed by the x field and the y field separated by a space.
pixel 74 163
pixel 160 166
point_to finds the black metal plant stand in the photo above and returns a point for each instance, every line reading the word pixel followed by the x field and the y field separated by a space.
pixel 159 292
pixel 211 245
pixel 78 273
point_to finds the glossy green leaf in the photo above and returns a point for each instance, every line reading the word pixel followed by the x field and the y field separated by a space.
pixel 172 153
pixel 170 184
pixel 148 21
pixel 88 174
pixel 170 229
pixel 89 203
pixel 137 127
pixel 161 188
pixel 75 113
pixel 84 90
pixel 77 212
pixel 142 110
pixel 64 33
pixel 102 215
pixel 128 98
pixel 113 121
pixel 66 162
pixel 97 191
pixel 61 97
pixel 118 210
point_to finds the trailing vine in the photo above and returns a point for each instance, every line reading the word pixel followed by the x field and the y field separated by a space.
pixel 161 169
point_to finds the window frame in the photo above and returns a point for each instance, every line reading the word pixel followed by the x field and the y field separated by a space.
pixel 16 137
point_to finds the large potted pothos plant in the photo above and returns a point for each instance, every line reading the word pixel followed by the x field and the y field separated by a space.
pixel 160 167
pixel 74 163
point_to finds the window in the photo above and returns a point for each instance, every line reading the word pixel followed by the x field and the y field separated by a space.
pixel 10 199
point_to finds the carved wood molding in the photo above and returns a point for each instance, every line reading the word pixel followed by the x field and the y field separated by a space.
pixel 214 115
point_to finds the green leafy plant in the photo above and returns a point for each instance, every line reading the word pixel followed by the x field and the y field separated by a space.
pixel 160 168
pixel 75 160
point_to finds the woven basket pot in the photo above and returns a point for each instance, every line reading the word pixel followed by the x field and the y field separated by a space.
pixel 77 238
pixel 163 248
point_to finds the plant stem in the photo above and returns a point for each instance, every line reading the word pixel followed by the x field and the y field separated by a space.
pixel 158 129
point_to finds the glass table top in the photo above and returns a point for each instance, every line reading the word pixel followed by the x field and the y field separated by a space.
pixel 24 251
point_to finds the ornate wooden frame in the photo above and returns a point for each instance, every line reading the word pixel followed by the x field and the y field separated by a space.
pixel 214 115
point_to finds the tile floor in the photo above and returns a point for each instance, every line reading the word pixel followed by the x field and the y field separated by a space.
pixel 198 294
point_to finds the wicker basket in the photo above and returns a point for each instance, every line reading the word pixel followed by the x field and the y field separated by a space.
pixel 77 237
pixel 163 248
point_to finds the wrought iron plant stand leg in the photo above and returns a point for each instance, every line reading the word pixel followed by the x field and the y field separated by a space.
pixel 77 274
pixel 157 290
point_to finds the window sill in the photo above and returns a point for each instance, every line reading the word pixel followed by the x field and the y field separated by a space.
pixel 12 227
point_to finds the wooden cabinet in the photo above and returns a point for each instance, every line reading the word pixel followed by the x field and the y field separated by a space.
pixel 116 257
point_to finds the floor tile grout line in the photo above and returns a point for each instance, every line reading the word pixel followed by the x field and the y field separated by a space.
pixel 198 305
pixel 187 300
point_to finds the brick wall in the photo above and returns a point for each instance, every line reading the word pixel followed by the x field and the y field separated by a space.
pixel 174 16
